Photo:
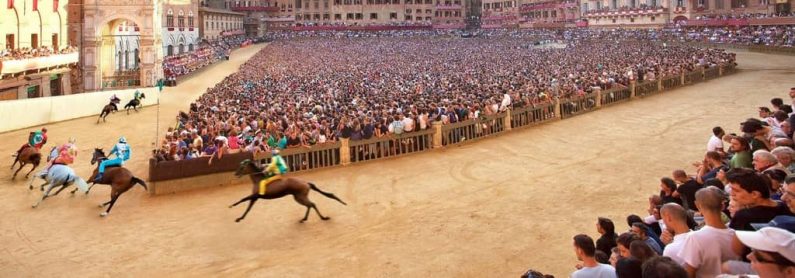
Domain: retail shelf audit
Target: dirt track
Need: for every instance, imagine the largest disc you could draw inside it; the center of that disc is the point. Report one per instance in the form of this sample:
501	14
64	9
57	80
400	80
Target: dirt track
489	209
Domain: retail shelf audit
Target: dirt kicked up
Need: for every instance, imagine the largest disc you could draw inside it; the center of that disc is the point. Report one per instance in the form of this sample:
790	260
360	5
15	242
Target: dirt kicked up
489	209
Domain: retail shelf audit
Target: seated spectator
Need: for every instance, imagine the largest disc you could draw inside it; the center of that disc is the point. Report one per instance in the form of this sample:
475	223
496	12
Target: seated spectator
715	144
704	250
742	155
763	160
788	193
607	240
707	169
668	190
785	155
641	251
663	267
777	177
677	230
585	249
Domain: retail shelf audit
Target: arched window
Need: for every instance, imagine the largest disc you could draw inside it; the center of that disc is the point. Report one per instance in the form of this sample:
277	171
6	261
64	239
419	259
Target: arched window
118	58
190	19
170	18
190	47
181	19
136	58
169	50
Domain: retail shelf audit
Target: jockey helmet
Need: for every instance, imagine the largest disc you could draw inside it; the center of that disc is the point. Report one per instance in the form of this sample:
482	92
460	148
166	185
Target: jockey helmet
123	140
44	129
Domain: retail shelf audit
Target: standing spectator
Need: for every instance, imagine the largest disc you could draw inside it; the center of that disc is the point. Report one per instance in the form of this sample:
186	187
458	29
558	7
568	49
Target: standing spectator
788	193
627	266
742	155
663	267
704	250
707	170
715	144
675	217
778	105
607	240
773	252
763	160
640	230
585	250
784	156
668	191
751	192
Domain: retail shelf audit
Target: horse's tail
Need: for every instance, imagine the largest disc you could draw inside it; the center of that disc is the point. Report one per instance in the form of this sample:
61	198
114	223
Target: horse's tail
139	181
329	195
35	158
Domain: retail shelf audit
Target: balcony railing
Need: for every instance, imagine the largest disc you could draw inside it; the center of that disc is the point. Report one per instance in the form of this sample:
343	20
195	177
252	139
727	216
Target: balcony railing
37	63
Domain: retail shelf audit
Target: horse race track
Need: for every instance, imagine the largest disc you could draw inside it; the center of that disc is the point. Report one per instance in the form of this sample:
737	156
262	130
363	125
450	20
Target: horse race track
489	209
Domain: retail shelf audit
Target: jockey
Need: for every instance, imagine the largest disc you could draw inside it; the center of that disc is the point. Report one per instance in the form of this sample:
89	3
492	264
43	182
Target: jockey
274	171
137	95
36	139
122	152
63	155
114	100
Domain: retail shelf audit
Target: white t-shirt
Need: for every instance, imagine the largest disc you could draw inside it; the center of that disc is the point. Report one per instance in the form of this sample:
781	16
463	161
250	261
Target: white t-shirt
598	271
408	124
714	143
673	248
706	249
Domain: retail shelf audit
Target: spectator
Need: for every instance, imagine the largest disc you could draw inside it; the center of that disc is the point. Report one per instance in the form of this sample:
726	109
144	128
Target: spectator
677	230
715	144
607	240
668	191
763	160
788	193
777	177
640	230
627	266
773	252
704	250
742	155
688	186
585	250
784	157
663	267
752	193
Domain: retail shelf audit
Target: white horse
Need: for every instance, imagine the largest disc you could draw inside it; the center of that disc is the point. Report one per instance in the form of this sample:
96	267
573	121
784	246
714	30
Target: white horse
58	175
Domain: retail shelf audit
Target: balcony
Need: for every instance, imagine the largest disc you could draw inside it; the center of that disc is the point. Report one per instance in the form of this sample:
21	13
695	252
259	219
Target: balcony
624	12
37	63
448	7
255	9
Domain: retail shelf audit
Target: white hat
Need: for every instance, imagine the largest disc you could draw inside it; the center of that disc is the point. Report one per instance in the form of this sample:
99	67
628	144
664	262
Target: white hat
770	239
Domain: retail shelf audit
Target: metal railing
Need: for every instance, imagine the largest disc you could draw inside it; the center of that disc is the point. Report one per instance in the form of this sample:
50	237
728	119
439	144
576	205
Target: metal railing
671	82
694	77
391	145
711	73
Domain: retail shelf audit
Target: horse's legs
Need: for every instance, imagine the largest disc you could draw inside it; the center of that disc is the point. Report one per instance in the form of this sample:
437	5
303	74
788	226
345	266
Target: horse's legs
306	215
241	200
31	170
113	197
318	213
89	188
46	194
104	204
15	162
64	186
304	200
21	164
251	200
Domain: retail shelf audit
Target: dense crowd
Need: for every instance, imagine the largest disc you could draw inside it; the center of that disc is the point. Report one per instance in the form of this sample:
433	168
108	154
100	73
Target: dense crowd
780	36
744	15
27	53
359	88
732	217
208	53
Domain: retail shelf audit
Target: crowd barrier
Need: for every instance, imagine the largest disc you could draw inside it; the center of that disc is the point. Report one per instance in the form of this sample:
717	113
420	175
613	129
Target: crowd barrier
175	176
39	111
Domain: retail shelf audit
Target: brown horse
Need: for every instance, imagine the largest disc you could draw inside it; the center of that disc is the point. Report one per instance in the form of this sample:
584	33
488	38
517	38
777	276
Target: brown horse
134	103
27	155
277	189
119	178
106	111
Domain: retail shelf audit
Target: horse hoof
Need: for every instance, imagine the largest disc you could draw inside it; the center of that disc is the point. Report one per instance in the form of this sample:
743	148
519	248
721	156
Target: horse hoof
238	220
101	206
103	214
230	206
34	206
302	221
325	218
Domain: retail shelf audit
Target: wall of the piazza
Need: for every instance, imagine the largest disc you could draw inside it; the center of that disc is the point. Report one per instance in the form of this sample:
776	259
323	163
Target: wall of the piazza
33	24
215	24
180	27
658	13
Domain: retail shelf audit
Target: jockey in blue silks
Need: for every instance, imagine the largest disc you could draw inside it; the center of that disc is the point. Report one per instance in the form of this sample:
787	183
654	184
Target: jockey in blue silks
122	152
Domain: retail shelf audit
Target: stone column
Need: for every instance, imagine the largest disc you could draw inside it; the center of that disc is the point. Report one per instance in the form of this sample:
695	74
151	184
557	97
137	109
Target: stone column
437	134
44	86
507	120
345	151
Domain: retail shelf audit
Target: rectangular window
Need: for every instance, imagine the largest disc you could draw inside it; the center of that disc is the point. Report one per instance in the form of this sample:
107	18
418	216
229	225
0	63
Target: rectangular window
170	21
181	22
719	4
34	41
373	16
359	16
349	16
408	11
392	15
10	41
190	21
326	17
337	16
408	17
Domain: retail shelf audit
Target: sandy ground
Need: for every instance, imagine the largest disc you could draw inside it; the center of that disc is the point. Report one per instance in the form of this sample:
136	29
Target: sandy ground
489	209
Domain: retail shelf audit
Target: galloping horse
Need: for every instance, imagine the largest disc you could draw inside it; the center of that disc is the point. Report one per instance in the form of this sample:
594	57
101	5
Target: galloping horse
277	189
134	103
119	178
106	111
28	155
58	175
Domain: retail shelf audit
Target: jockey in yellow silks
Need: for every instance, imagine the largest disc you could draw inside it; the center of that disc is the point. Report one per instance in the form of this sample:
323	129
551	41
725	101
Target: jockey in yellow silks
274	171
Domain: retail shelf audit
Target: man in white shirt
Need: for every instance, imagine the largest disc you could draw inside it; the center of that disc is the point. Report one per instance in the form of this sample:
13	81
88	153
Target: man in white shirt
590	268
715	144
408	124
675	218
704	250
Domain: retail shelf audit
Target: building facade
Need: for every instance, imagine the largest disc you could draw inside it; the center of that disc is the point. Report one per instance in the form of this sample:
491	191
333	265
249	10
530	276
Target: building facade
180	26
36	57
658	13
216	23
549	14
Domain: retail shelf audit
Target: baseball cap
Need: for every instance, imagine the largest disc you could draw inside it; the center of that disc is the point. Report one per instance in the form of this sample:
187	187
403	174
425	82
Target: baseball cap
782	222
771	240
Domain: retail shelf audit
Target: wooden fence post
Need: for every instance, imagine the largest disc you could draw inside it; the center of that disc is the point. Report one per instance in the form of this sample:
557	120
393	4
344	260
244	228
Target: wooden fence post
345	151
599	98
506	122
437	134
557	107
632	89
